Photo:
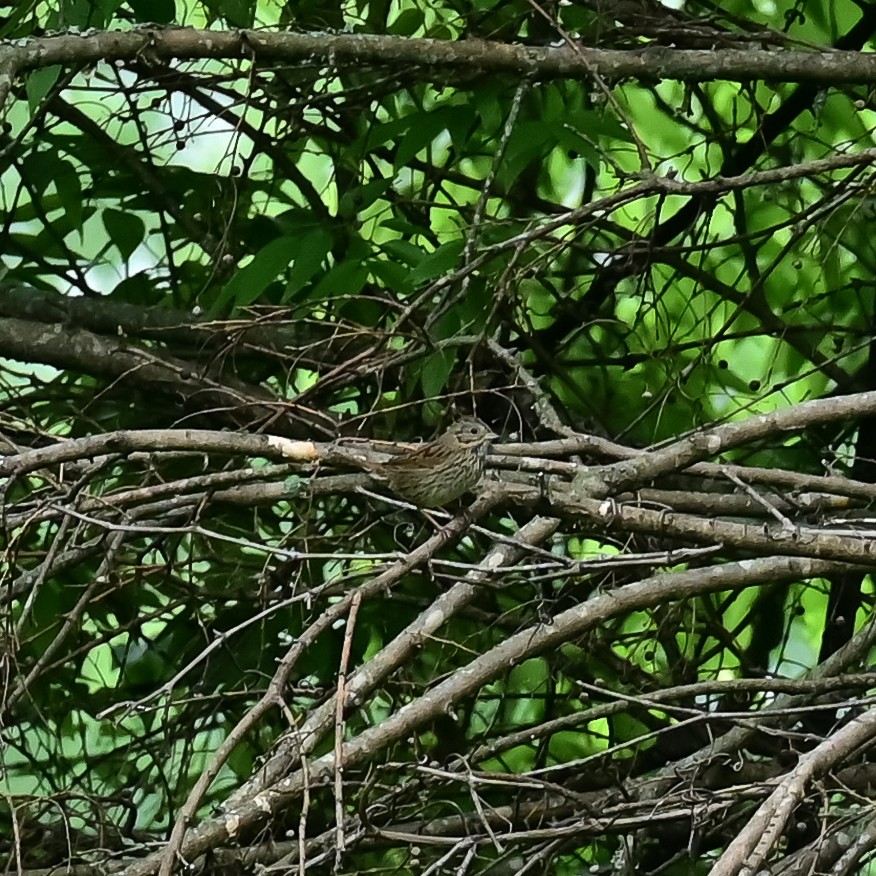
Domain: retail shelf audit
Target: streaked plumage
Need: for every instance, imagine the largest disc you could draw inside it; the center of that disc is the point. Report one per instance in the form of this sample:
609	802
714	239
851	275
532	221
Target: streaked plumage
444	469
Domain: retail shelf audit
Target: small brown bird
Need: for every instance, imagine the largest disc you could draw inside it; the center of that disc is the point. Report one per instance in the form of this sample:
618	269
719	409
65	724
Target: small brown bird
444	469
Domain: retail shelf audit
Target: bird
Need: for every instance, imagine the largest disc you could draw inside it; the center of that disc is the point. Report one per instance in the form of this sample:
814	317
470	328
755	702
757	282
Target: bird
442	470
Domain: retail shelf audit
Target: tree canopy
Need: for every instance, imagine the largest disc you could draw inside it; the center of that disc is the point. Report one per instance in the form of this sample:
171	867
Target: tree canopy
252	250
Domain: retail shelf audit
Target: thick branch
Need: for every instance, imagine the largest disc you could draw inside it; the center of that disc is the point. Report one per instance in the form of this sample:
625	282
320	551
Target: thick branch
466	56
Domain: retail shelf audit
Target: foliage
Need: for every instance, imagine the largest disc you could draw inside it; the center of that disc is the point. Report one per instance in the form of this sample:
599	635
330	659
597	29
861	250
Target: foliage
223	272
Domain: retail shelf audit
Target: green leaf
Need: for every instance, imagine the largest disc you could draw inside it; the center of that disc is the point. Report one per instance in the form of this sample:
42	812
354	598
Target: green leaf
435	370
346	278
438	262
126	230
447	325
408	22
363	311
404	251
159	11
293	485
241	761
423	128
379	134
70	192
473	310
238	13
576	145
406	227
311	252
577	18
393	276
49	166
530	142
84	150
361	197
250	281
138	289
39	83
76	13
107	8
